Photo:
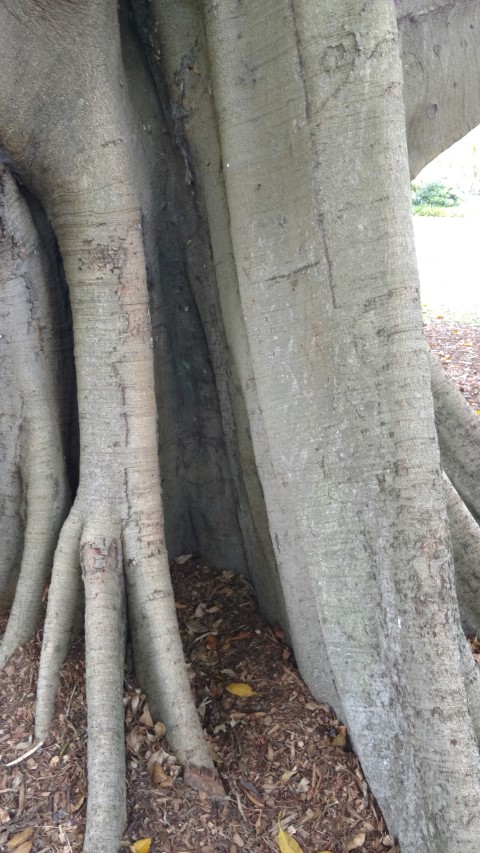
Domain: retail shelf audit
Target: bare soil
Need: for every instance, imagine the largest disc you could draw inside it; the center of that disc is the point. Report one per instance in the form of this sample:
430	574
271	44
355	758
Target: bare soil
283	758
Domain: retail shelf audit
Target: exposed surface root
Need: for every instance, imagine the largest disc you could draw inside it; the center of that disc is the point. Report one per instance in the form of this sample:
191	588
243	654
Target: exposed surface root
105	622
63	606
34	492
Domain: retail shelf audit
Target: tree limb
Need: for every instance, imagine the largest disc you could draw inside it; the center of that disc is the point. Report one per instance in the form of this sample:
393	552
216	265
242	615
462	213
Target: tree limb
440	52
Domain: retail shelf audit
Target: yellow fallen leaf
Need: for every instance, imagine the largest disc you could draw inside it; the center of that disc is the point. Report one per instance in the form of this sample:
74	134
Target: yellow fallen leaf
477	411
238	688
141	846
286	843
19	838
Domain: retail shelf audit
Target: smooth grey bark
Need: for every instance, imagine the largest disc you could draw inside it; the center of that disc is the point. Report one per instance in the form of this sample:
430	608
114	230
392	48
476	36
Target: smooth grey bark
178	36
256	175
35	492
105	624
205	255
330	301
92	199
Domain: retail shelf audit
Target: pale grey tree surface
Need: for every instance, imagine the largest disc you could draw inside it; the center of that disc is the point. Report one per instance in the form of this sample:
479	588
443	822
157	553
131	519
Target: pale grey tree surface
227	186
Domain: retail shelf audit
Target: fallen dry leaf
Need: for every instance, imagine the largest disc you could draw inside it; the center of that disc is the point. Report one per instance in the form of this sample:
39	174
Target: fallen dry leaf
146	718
74	807
180	561
286	843
358	840
160	777
243	635
19	838
24	848
135	739
285	777
141	846
160	729
238	688
341	738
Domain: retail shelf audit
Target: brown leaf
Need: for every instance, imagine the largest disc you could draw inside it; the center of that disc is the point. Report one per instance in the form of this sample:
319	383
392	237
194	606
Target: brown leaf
341	738
203	779
160	777
74	807
251	792
236	638
19	838
136	738
196	627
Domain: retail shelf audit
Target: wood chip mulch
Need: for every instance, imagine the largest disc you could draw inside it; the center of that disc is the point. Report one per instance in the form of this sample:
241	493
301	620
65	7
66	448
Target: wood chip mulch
283	758
458	349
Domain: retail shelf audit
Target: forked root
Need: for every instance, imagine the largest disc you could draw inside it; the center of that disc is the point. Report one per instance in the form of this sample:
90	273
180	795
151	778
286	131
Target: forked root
158	651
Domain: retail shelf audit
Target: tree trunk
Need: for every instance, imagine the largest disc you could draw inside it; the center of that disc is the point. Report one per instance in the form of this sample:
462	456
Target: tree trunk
234	223
356	486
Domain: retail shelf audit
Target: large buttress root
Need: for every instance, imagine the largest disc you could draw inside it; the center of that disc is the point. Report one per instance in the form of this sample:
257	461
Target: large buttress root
34	480
351	433
91	199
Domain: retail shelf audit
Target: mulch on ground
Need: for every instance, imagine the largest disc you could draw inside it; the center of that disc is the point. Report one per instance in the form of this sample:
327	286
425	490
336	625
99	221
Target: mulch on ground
458	349
283	758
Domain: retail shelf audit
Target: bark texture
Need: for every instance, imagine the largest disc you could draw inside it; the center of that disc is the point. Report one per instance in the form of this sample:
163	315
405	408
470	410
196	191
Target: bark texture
440	49
349	427
228	185
35	491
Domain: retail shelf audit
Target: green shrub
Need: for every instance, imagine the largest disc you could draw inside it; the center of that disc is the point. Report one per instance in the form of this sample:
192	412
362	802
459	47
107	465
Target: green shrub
430	210
435	194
